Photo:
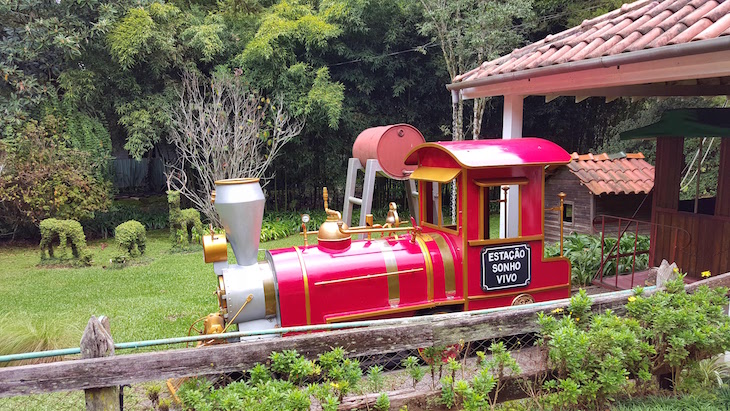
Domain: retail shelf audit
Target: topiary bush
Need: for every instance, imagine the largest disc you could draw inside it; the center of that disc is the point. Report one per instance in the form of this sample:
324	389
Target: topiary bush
64	231
132	237
184	224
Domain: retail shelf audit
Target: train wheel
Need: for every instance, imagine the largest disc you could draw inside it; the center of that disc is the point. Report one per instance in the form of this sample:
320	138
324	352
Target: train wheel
523	299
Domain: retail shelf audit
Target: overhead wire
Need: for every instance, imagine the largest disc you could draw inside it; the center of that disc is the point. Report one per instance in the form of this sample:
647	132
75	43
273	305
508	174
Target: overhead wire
434	43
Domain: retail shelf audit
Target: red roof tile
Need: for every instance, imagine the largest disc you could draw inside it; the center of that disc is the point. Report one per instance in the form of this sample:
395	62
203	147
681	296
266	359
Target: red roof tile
604	174
644	24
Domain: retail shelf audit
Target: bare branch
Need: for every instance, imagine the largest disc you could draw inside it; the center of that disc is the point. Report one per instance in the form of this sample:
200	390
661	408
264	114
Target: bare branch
223	129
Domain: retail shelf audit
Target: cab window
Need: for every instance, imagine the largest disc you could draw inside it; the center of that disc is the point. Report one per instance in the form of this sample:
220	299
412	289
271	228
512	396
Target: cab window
438	204
493	206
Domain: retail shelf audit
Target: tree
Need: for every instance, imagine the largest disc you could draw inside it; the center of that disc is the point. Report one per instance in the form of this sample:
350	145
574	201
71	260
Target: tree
470	32
224	129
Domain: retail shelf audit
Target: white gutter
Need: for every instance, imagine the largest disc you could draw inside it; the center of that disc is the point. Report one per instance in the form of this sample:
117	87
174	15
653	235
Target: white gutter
640	56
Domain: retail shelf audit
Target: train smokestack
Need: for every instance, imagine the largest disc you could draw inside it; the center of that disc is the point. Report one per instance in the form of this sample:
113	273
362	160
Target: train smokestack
240	205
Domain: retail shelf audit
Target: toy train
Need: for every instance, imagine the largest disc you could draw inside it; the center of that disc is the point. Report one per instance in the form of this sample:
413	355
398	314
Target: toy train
431	266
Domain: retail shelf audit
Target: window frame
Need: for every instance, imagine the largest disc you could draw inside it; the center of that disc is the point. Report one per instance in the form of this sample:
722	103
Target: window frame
484	186
572	213
429	198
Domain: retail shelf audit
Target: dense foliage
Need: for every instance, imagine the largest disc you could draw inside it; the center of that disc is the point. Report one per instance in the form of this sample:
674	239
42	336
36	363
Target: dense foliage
45	176
682	328
600	357
111	71
286	384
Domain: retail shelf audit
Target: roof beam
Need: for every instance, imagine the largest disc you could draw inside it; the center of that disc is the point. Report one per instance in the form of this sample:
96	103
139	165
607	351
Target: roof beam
697	66
657	90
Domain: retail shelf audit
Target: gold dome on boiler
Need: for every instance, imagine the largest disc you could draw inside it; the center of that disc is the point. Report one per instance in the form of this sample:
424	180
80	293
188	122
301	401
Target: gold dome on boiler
329	232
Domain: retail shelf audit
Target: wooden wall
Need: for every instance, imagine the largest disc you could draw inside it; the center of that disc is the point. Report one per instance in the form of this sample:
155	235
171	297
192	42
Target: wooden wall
565	181
697	242
702	241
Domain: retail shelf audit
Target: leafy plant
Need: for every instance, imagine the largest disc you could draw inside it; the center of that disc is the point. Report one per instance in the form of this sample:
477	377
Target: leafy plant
448	396
414	369
43	178
682	328
292	366
344	373
382	403
593	355
375	378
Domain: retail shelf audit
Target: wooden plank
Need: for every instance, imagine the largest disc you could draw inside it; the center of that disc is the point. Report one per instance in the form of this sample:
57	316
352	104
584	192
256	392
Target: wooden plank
135	368
722	204
217	359
725	256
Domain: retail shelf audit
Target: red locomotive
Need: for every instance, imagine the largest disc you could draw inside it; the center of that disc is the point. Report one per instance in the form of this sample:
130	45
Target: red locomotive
398	271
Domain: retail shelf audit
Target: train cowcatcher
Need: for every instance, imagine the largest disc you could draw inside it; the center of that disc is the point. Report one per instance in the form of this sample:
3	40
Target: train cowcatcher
438	264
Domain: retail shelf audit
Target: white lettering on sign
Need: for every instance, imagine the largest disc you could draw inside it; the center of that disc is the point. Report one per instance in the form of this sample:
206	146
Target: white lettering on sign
507	278
506	266
512	254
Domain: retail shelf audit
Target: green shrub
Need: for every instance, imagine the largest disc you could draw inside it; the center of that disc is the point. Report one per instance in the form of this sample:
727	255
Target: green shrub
682	328
593	355
375	377
292	366
152	212
414	369
64	231
343	373
185	225
132	237
43	178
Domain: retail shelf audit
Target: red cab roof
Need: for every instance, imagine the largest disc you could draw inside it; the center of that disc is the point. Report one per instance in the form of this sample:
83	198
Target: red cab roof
495	152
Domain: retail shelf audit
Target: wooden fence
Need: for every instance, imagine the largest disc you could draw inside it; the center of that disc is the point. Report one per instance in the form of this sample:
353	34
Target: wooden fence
114	370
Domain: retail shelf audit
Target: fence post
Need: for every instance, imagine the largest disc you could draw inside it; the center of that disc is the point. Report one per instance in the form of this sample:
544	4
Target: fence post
97	342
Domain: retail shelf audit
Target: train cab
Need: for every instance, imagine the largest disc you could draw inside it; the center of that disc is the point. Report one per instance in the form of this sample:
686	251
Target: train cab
494	267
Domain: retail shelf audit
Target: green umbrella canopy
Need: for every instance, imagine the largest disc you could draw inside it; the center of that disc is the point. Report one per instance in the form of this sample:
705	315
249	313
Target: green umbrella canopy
694	122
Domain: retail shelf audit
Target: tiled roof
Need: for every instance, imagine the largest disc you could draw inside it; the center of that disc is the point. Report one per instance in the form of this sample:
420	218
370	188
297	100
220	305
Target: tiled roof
613	174
644	24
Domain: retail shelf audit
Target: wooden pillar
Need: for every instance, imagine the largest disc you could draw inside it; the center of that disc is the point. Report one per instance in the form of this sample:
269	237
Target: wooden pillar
511	128
722	200
97	342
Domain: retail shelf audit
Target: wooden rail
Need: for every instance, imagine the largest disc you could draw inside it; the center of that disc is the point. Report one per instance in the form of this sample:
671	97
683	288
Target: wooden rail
102	372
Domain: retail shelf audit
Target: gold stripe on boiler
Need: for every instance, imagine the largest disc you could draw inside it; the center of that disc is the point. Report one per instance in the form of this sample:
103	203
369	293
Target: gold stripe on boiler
391	267
449	270
307	308
429	266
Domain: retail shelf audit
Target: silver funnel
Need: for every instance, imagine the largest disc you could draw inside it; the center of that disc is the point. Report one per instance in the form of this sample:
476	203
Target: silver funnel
240	205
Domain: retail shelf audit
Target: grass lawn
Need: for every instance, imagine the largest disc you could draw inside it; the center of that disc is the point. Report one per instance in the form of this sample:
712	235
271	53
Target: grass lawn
156	298
159	297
